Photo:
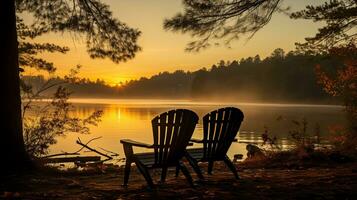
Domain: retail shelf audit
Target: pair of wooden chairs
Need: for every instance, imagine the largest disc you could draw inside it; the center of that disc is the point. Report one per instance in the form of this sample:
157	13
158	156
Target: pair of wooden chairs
172	132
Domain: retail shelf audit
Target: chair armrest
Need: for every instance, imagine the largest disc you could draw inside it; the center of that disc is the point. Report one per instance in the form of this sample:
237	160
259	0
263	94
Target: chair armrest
135	143
196	140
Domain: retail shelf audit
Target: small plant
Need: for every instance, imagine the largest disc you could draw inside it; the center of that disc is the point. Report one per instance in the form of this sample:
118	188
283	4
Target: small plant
44	123
266	149
304	143
270	140
299	134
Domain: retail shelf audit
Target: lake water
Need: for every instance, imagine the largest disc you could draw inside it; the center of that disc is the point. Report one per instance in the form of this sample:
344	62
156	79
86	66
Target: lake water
132	119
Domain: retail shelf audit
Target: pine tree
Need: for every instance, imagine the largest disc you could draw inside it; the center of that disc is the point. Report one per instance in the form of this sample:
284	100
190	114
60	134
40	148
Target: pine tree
106	37
212	22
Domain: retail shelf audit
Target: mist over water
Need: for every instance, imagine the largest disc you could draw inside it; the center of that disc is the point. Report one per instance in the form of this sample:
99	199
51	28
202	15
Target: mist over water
131	118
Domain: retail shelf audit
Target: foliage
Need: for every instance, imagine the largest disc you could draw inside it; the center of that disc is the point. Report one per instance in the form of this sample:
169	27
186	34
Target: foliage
339	136
252	78
28	51
106	37
53	120
214	20
342	83
248	79
82	87
268	139
44	121
340	17
304	142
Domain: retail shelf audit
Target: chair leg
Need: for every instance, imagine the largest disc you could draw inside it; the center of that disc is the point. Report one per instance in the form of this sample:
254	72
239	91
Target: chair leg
210	167
163	174
177	170
231	166
186	173
145	172
127	172
194	164
128	150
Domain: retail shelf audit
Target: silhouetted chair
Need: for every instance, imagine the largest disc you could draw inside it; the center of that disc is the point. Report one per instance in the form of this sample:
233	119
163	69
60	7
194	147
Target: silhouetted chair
220	128
172	132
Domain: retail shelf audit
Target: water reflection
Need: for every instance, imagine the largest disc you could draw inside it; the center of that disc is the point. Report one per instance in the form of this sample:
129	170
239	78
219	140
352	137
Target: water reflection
133	120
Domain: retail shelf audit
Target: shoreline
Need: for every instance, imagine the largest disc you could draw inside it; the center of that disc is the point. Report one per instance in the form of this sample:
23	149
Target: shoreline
318	182
187	102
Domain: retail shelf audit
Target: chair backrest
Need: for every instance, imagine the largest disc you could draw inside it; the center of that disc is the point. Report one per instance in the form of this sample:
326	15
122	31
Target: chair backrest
220	128
172	132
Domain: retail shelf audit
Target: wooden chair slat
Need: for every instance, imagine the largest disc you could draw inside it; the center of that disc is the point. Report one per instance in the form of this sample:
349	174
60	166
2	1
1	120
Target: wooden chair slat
211	132
225	131
170	123
155	132
205	134
171	134
176	129
220	128
217	132
161	137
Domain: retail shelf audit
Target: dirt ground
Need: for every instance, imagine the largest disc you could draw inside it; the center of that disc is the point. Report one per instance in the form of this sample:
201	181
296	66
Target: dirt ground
328	182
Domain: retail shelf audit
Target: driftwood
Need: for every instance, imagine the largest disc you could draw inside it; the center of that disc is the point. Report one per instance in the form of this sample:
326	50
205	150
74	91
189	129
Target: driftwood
61	154
71	153
111	152
81	159
93	150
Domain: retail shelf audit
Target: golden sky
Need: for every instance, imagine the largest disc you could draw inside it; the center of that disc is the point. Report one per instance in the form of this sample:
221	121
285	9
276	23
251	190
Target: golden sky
164	51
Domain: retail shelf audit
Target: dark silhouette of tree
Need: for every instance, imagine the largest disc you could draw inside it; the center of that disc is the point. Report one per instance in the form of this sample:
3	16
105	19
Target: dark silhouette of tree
341	82
106	37
12	144
28	50
279	77
212	20
224	19
276	78
340	17
278	54
82	87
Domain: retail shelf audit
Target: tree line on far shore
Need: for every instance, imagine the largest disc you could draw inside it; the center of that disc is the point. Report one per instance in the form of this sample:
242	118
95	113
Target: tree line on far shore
277	78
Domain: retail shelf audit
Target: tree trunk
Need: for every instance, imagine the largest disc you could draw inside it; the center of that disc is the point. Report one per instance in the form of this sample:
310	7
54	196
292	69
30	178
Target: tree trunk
11	138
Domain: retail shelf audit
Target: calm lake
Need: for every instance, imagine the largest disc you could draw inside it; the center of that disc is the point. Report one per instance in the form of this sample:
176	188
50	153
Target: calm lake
132	119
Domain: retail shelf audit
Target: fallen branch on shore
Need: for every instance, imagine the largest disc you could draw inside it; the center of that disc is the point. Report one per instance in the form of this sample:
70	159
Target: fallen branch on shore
80	160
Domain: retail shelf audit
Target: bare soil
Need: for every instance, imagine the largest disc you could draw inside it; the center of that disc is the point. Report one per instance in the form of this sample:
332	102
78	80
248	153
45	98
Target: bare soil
337	181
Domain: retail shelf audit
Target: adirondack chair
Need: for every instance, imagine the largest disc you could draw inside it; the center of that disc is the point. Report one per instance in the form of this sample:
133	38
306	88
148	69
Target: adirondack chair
172	132
220	128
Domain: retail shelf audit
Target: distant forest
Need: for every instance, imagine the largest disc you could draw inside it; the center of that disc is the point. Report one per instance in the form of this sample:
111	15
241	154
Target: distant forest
81	88
280	77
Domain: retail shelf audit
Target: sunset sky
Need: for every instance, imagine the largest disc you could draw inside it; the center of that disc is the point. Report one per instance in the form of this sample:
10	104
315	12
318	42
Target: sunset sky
164	50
